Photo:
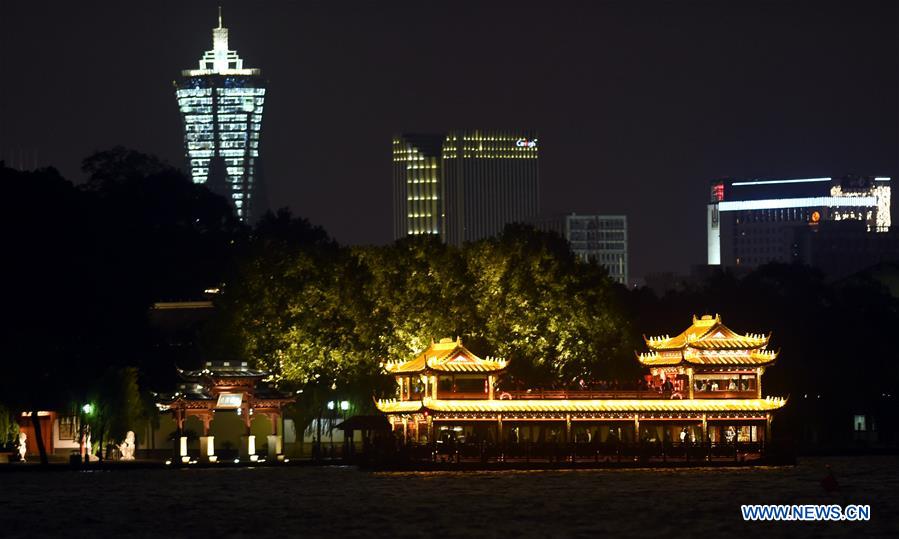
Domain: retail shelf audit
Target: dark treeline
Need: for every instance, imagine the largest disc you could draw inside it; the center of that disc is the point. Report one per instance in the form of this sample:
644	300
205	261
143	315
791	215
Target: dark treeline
82	266
87	262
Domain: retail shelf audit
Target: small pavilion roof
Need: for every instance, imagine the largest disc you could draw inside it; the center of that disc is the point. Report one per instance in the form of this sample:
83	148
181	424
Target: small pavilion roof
448	355
223	369
708	333
708	342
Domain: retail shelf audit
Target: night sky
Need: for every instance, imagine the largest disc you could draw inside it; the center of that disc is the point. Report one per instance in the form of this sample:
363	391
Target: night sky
638	104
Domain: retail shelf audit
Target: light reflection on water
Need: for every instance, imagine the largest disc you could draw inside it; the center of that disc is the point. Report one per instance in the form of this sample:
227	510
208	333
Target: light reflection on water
342	501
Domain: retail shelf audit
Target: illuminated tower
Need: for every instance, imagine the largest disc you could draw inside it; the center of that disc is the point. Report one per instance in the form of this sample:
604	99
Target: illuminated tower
221	104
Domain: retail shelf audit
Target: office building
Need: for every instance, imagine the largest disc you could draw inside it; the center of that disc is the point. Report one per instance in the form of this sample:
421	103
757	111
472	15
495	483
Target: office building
601	238
221	104
464	185
752	222
417	196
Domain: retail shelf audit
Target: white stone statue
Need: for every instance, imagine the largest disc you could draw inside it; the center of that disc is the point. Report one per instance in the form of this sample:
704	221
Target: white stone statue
89	449
22	447
127	446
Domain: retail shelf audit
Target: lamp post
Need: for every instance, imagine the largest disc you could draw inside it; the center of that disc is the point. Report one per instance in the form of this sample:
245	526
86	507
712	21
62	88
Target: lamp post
86	410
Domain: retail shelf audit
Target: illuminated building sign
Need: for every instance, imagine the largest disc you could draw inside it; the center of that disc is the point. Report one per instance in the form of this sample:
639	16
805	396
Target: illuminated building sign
718	192
779	203
526	143
229	400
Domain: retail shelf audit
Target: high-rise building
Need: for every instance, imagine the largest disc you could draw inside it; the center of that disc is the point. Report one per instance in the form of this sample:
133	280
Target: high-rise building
601	238
752	222
490	178
417	196
464	185
221	103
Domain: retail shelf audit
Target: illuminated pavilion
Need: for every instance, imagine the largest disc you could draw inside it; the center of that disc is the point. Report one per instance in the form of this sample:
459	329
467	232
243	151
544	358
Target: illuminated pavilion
703	387
232	394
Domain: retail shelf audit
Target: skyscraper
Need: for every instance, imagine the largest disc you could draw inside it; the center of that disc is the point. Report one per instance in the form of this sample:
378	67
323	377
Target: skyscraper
490	179
221	104
464	185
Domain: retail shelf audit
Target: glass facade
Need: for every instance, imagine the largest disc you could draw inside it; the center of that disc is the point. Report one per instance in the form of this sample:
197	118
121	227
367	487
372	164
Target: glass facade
221	104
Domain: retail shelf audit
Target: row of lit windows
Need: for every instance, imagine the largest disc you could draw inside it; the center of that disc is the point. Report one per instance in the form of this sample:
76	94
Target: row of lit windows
423	198
492	147
239	112
199	127
203	109
199	161
193	92
191	145
490	156
198	118
481	138
240	91
201	174
205	132
231	118
195	101
199	134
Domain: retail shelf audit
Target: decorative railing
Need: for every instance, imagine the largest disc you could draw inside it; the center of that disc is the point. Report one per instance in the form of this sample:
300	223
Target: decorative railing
462	395
576	394
747	394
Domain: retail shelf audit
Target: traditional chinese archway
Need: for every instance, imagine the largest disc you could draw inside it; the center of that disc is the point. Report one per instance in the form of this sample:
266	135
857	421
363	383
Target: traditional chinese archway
226	387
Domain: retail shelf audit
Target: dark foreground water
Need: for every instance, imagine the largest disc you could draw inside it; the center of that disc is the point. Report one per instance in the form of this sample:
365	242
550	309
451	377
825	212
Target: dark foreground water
344	502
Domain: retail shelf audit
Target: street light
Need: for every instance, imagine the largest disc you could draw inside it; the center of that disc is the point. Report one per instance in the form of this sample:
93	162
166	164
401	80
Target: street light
88	408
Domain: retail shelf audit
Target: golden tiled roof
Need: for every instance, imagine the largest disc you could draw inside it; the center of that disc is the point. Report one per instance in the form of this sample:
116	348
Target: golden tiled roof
703	357
448	355
708	342
578	406
397	407
707	333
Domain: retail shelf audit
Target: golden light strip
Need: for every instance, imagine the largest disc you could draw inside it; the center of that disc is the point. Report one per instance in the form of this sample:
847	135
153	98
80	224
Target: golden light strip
585	406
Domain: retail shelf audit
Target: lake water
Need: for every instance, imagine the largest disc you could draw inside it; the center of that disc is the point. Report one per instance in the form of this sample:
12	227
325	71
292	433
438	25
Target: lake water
345	502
